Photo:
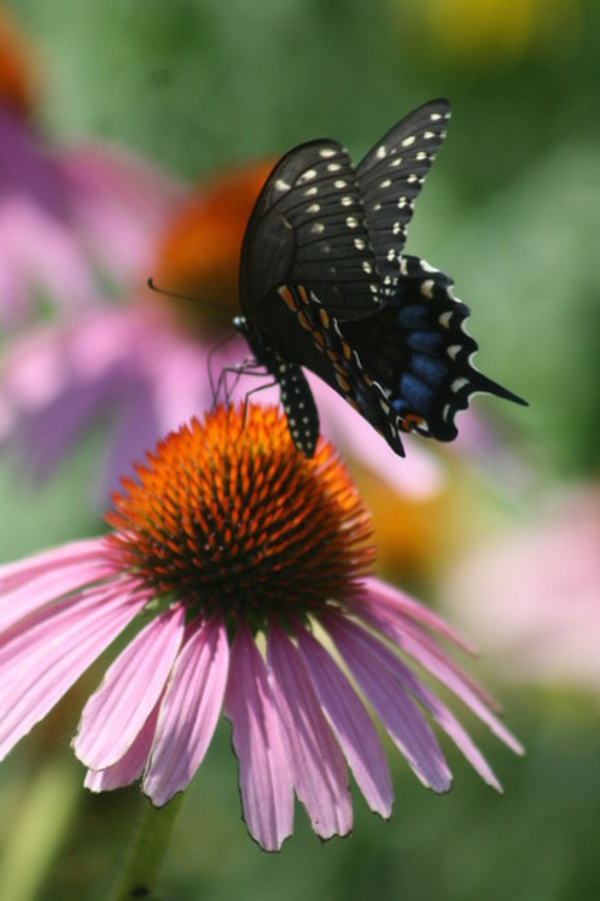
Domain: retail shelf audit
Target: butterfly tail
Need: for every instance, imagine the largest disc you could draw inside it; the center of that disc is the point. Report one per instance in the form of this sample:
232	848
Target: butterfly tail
482	384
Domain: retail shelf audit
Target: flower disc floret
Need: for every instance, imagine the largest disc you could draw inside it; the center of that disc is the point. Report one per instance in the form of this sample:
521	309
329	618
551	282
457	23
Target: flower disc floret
228	516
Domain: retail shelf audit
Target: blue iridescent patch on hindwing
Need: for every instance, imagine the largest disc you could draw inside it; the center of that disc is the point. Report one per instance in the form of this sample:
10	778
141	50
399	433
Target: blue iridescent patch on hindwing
408	366
417	348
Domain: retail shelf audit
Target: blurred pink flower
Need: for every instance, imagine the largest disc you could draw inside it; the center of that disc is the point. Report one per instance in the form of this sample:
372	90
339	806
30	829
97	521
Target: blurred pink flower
227	535
143	365
67	217
136	368
126	364
533	599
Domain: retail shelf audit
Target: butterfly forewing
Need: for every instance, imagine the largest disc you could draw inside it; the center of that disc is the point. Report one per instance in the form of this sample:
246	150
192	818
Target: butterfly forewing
308	227
391	176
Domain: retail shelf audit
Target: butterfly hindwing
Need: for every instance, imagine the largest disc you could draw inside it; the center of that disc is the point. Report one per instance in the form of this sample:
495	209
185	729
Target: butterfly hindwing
416	347
408	368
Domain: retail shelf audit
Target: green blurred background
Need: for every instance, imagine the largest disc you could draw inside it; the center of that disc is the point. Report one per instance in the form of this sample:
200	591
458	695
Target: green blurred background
512	211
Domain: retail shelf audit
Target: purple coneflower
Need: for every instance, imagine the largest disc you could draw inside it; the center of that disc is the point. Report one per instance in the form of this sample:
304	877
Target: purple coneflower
65	214
245	566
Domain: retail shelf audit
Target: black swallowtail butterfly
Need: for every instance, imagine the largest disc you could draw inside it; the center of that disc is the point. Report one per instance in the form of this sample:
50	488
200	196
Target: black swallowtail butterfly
324	284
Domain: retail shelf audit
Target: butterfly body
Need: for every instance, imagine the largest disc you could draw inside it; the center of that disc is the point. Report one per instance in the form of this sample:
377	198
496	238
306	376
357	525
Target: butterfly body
324	285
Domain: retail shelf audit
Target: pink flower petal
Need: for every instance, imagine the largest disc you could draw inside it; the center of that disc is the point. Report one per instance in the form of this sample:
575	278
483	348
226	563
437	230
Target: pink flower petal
39	664
131	766
351	723
440	713
431	657
115	713
52	583
380	595
265	778
399	622
12	574
448	722
189	711
320	772
401	717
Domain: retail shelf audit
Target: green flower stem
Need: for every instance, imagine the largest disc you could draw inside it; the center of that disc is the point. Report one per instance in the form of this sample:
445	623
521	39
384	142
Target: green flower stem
138	876
41	821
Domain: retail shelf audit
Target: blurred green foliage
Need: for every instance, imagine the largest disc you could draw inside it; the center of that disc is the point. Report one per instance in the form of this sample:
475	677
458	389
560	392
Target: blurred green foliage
510	207
512	211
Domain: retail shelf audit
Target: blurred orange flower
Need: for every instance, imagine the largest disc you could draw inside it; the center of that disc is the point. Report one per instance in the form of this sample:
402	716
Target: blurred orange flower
17	68
199	252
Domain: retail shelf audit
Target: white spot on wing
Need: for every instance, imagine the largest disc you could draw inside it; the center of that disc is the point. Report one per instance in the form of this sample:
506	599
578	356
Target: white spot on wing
307	176
457	384
427	288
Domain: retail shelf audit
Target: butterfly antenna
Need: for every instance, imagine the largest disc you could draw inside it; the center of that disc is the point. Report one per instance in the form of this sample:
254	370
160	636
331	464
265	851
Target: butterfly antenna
196	298
221	384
